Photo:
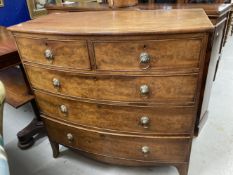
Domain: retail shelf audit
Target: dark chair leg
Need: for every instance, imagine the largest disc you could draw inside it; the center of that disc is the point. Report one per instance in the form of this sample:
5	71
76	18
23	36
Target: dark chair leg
26	135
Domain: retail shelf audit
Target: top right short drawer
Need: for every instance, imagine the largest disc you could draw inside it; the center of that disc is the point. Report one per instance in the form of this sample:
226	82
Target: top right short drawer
148	54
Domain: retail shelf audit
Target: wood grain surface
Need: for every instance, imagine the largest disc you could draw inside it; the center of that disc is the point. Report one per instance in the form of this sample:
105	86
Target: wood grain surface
162	89
124	55
163	120
119	22
90	95
67	54
7	42
161	149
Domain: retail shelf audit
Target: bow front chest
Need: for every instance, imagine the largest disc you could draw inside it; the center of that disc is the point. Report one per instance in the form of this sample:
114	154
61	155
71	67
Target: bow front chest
121	87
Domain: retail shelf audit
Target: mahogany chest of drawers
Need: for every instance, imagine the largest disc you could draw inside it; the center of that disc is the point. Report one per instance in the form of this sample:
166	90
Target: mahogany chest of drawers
122	87
219	15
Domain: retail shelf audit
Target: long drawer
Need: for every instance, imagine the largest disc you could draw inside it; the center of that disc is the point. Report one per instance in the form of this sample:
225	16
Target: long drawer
66	54
155	120
175	89
148	54
162	149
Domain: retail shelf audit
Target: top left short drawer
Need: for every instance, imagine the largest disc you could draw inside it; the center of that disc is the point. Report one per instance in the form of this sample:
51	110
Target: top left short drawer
65	53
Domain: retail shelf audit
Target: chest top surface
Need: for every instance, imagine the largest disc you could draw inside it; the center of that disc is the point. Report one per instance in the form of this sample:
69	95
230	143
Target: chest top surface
119	23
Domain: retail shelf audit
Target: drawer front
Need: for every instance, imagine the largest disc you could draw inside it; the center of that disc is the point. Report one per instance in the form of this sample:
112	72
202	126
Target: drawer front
67	54
163	120
141	55
120	146
180	88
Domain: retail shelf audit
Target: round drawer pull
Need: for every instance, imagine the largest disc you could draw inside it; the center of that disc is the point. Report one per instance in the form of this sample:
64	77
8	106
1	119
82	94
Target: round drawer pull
48	54
144	58
145	149
56	83
145	121
64	109
70	137
144	89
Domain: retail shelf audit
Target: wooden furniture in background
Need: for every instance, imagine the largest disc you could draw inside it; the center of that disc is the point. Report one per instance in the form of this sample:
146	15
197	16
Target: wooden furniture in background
217	13
17	89
122	3
122	88
185	1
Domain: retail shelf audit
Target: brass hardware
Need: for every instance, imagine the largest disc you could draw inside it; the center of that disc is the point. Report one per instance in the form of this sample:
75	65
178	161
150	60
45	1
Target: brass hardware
70	137
145	121
64	109
144	60
48	54
144	89
146	67
56	83
145	149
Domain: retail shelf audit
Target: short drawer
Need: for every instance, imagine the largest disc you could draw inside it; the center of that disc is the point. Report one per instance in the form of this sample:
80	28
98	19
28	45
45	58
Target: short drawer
148	55
67	54
120	146
174	89
155	120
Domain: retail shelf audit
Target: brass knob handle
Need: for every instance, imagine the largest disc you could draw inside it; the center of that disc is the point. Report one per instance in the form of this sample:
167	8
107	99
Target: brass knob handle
144	58
48	54
144	89
56	83
145	121
64	109
145	149
70	137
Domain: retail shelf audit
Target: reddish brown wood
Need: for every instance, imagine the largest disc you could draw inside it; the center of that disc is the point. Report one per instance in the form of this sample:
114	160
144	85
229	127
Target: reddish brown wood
75	51
180	89
16	92
55	148
161	149
8	52
218	13
90	109
17	88
125	55
213	10
182	168
12	77
163	120
157	23
122	3
7	43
